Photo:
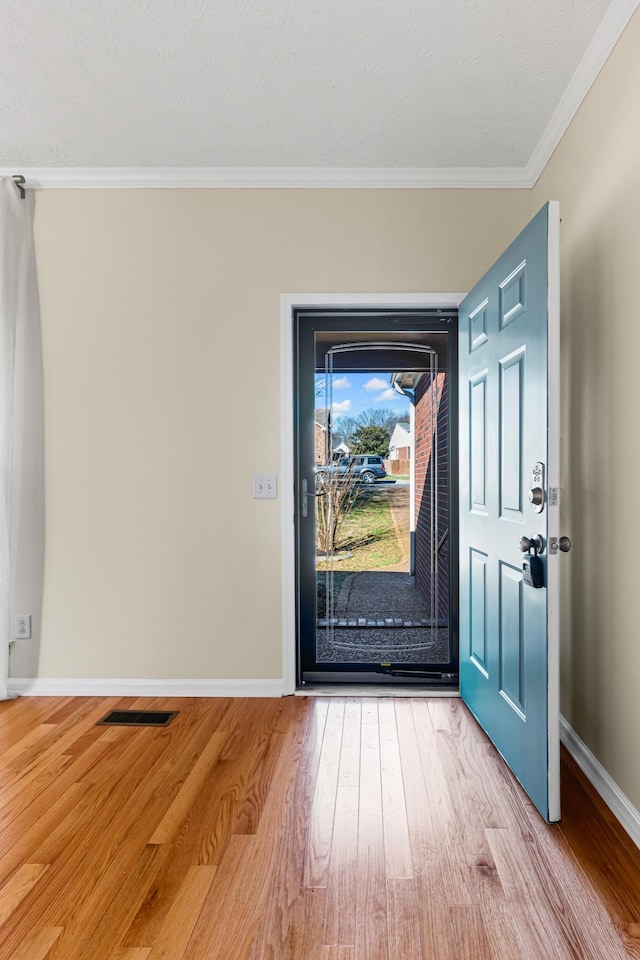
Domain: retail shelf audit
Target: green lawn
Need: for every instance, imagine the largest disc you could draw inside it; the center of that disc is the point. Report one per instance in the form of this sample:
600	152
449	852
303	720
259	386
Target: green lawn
368	533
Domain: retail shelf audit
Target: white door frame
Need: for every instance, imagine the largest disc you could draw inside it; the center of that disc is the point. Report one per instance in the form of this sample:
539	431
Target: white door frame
288	303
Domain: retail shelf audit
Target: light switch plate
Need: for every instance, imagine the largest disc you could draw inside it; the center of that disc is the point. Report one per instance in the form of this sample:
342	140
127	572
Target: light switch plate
265	486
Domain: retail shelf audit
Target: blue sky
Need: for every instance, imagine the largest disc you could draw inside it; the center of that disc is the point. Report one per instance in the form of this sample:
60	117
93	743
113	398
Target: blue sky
355	392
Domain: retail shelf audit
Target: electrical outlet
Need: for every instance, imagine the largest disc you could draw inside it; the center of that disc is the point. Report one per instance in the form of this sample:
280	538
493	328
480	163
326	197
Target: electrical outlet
23	626
265	486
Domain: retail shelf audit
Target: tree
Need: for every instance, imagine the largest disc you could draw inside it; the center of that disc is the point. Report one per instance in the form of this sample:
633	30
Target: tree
370	440
378	417
344	429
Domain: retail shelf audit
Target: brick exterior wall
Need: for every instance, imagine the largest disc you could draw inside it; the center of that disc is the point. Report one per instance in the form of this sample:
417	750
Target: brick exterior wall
426	391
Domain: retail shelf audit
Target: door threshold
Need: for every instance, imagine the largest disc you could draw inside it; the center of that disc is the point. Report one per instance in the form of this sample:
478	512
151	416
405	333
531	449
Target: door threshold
374	690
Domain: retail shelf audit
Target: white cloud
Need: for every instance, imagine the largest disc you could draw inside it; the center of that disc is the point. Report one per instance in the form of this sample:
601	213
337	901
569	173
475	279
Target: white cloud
342	406
376	383
389	394
342	383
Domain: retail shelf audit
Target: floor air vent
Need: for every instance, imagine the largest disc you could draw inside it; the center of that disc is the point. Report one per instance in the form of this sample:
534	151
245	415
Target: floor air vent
138	718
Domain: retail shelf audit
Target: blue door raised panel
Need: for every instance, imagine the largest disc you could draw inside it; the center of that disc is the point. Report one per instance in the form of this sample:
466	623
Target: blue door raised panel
508	639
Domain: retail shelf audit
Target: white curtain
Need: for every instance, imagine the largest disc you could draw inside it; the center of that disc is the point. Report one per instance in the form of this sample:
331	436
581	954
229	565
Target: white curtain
19	327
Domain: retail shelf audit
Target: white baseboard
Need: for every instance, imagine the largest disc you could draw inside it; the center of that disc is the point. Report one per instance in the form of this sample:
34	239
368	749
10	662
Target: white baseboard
59	687
618	803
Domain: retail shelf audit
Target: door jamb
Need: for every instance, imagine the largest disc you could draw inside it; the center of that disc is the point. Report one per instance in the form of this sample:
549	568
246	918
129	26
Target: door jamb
288	303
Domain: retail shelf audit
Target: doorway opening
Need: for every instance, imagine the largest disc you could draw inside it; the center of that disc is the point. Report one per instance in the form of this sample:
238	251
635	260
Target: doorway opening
375	445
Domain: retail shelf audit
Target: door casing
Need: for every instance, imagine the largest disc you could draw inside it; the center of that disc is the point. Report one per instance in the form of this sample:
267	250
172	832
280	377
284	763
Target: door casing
288	303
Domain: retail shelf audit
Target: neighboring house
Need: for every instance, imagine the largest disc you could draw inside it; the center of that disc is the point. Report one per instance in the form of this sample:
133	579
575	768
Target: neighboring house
401	442
321	440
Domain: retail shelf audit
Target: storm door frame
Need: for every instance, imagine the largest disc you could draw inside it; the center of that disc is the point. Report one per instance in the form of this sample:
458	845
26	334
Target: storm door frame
290	305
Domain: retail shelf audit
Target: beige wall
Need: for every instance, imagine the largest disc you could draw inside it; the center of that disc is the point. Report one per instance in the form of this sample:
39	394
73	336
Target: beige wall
595	174
161	327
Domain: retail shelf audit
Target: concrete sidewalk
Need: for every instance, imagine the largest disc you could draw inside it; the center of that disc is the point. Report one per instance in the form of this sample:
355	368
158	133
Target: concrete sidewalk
399	498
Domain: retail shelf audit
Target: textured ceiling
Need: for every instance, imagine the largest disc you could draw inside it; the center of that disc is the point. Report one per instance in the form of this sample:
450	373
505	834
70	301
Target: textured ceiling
245	83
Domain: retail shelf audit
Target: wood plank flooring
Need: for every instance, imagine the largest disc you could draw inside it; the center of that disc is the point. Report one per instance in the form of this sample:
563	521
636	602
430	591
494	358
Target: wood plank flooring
295	829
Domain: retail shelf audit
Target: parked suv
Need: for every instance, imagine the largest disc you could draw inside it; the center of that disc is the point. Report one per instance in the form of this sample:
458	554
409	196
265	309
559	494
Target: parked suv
366	469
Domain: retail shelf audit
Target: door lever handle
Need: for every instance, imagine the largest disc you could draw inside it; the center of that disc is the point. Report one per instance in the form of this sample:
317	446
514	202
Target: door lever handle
305	492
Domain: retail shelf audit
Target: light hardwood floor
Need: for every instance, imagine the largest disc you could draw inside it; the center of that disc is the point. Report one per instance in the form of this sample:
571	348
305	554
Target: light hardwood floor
314	829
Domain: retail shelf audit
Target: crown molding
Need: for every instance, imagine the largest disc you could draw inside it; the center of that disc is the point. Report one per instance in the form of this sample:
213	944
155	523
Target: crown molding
607	35
353	178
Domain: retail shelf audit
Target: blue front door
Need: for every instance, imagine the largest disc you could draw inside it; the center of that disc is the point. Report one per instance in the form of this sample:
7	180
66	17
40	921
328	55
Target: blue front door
508	348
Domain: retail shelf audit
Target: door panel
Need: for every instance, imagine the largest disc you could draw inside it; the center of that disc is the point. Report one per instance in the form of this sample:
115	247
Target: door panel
512	377
508	671
478	415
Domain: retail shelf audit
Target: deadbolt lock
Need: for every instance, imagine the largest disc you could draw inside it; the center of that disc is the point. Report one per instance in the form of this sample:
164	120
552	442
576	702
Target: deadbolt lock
536	494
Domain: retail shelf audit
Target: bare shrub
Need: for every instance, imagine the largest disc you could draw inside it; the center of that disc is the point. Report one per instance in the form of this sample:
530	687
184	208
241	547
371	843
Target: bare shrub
336	495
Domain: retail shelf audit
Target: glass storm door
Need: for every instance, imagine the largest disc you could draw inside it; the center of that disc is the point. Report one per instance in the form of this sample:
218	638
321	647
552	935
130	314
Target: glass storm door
374	538
509	493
